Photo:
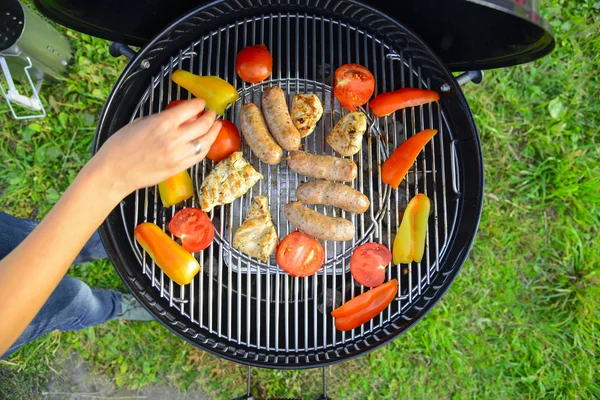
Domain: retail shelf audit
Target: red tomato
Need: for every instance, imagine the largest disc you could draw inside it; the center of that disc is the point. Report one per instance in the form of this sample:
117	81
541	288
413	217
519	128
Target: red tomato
227	141
254	63
387	103
368	264
194	228
354	85
175	103
300	255
364	307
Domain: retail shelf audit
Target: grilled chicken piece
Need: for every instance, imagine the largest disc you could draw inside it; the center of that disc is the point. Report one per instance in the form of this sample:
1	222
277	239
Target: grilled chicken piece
346	135
257	236
307	110
230	179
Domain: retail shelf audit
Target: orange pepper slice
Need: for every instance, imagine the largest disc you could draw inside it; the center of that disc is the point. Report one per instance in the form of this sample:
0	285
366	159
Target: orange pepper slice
178	264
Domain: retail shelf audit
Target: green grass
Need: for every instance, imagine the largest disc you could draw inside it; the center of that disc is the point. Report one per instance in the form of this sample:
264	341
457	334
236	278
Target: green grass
521	321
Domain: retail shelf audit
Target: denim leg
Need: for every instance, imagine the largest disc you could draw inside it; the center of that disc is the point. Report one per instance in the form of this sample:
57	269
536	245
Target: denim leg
13	230
72	306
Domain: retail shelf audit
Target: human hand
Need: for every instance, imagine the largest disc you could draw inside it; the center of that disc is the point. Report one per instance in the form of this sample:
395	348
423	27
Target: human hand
152	149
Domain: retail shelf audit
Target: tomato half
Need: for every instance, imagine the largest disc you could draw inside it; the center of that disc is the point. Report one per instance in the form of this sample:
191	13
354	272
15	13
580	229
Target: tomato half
354	85
368	264
194	228
387	103
175	103
254	63
228	141
300	255
364	307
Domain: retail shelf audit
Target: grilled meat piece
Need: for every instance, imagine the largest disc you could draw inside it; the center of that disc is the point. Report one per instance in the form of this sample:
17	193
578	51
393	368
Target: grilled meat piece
256	236
322	166
346	136
333	194
230	179
275	111
307	110
257	135
313	223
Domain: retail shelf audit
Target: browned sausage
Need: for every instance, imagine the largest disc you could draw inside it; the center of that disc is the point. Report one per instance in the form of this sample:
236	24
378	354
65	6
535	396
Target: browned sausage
278	119
315	224
322	166
333	194
257	136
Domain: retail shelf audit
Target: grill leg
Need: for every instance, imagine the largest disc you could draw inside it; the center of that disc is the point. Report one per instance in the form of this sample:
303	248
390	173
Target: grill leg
324	396
248	395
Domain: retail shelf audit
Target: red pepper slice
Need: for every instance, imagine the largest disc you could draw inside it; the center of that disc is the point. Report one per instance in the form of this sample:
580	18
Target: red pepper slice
395	168
365	307
387	103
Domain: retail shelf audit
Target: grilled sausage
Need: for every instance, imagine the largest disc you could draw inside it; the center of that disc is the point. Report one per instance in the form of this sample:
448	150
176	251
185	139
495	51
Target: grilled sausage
278	119
333	194
257	136
322	166
315	224
346	136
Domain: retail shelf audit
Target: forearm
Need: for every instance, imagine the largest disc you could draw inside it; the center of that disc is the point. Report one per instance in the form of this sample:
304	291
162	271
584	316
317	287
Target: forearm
30	273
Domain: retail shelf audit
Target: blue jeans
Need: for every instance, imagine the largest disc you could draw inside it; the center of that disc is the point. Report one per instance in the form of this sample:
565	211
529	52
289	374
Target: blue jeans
72	305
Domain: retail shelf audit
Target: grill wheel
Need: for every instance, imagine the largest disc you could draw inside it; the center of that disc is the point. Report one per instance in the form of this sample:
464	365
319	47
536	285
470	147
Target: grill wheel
249	311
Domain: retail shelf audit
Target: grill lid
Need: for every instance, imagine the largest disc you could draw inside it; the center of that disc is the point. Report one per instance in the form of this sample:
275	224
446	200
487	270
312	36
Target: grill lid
466	34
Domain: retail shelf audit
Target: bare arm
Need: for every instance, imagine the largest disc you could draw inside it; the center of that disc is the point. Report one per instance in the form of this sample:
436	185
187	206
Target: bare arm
141	154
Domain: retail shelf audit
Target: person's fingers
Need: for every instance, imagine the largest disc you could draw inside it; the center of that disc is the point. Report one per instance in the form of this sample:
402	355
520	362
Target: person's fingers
197	128
183	112
205	142
138	120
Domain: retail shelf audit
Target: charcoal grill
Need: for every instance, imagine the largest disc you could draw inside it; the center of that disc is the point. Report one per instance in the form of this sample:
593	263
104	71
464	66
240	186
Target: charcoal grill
249	311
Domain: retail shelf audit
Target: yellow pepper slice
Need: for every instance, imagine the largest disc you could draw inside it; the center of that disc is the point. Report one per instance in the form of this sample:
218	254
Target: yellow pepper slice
217	93
409	244
176	189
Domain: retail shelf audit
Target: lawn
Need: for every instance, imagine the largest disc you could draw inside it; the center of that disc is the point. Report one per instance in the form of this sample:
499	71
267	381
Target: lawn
521	321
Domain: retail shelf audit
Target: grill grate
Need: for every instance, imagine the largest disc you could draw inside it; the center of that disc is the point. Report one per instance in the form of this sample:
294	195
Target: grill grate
254	304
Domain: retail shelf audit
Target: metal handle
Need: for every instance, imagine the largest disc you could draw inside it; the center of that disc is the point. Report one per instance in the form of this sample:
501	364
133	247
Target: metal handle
118	49
469	76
